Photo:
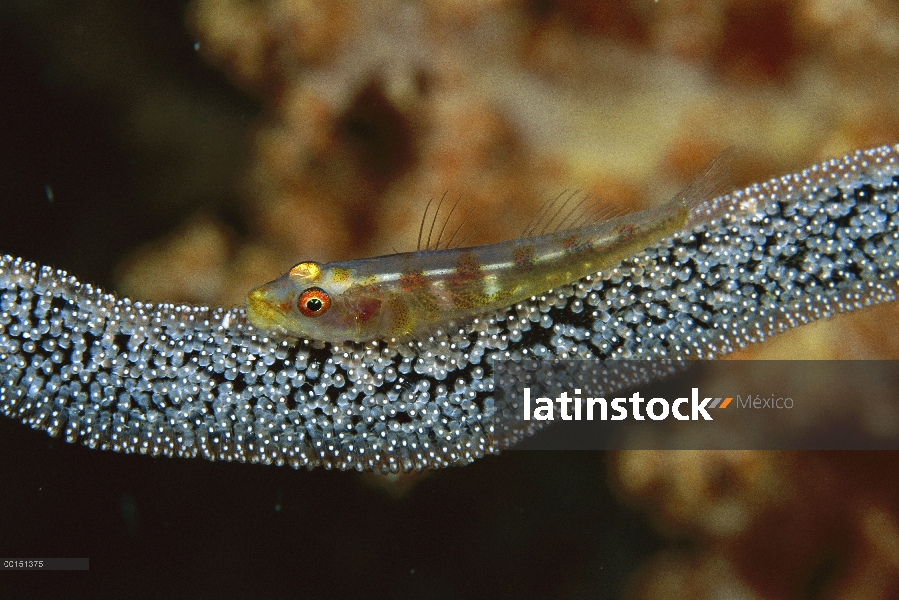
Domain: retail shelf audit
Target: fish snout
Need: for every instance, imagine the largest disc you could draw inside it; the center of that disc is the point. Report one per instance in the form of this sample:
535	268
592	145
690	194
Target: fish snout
267	305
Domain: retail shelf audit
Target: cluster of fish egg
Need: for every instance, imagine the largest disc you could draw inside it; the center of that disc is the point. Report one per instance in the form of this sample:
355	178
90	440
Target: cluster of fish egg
187	381
759	261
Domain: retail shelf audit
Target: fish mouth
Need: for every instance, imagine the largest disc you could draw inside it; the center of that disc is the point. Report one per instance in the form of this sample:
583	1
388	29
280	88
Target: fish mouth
263	311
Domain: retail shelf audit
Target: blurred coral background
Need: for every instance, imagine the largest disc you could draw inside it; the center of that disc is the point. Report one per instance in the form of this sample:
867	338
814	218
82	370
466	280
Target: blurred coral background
185	152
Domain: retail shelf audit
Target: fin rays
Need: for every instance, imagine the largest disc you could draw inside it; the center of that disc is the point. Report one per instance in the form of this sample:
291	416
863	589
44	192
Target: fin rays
567	210
552	218
709	182
434	243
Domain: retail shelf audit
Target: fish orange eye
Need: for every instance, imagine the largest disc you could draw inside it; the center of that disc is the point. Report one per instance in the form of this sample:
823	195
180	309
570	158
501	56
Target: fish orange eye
314	302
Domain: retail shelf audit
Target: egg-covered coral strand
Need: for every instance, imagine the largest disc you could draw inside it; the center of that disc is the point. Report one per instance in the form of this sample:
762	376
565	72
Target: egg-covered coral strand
186	381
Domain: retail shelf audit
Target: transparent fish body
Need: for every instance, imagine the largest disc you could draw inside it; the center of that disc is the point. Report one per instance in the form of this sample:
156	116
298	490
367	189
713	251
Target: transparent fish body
413	294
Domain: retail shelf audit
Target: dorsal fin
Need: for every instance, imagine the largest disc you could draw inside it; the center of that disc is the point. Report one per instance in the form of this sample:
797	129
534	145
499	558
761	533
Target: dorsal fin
571	208
711	180
434	243
567	210
553	217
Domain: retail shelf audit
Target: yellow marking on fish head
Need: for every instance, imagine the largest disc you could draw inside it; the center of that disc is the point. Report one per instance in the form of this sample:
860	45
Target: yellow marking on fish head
306	271
340	274
269	305
260	309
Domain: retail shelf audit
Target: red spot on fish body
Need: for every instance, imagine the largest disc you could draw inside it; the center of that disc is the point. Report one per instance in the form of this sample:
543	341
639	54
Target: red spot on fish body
366	308
626	230
462	282
468	268
411	281
574	244
523	256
